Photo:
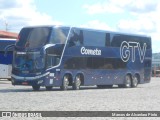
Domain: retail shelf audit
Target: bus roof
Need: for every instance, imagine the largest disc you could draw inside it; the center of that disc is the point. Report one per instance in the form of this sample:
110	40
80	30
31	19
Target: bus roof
91	29
113	32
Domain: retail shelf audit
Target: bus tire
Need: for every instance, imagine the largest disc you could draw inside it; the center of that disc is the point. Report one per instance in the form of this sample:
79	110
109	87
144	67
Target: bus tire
36	88
65	82
48	88
128	81
134	81
77	83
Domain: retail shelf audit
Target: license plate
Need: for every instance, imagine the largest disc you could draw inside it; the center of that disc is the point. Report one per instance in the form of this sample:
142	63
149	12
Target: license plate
24	83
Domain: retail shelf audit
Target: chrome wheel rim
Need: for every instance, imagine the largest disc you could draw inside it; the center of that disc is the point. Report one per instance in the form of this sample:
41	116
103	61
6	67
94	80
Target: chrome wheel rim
128	81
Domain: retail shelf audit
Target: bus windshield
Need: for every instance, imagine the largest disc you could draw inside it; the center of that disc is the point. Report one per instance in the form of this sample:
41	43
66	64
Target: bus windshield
33	37
28	61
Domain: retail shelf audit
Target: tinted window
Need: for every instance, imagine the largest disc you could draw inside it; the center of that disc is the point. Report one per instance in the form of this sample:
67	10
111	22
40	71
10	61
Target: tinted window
89	63
52	60
118	63
94	63
33	37
117	40
54	54
109	63
89	38
94	38
59	35
114	63
76	38
98	63
75	63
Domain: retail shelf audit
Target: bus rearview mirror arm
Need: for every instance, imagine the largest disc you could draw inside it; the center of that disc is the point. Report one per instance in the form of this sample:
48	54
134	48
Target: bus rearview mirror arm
7	48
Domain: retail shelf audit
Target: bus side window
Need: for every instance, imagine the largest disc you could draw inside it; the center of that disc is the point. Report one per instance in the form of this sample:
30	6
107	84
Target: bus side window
76	39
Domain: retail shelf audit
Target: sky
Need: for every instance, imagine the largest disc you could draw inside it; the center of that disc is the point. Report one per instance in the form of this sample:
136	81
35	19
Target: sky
127	16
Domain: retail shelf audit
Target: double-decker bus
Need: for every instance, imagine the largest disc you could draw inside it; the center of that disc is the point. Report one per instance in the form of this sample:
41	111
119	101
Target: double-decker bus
6	61
69	56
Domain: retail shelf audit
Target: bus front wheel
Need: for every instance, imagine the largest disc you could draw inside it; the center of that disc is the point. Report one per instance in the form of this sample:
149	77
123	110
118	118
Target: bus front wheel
77	83
36	88
65	82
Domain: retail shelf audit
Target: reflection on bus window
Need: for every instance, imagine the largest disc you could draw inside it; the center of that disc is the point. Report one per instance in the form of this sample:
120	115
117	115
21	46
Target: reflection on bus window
76	38
33	37
59	36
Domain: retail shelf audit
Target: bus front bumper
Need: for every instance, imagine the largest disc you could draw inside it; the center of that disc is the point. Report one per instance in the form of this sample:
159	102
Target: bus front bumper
33	81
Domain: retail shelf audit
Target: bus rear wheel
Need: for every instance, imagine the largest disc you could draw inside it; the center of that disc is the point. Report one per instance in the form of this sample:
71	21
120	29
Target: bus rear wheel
65	82
36	88
77	83
135	81
128	81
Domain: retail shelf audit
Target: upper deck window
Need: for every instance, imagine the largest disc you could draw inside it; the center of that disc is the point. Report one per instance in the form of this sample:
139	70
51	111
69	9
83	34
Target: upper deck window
59	35
94	38
80	37
33	37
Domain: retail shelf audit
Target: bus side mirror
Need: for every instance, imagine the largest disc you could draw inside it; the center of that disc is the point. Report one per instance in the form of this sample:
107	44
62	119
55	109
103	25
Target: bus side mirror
7	48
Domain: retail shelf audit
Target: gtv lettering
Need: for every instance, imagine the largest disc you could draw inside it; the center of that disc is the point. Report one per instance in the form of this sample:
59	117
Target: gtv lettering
127	51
